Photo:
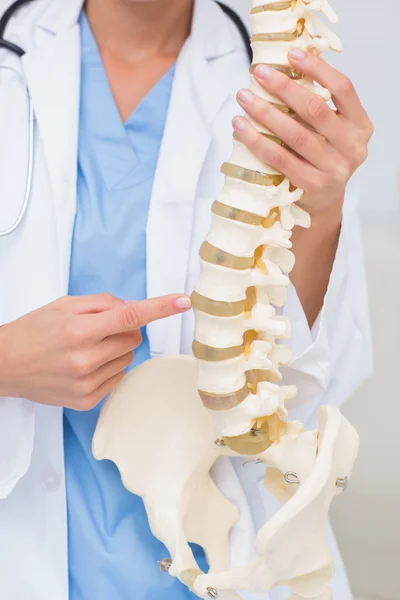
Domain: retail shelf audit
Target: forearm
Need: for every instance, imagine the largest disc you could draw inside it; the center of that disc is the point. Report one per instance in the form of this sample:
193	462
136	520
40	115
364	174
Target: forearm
4	375
315	251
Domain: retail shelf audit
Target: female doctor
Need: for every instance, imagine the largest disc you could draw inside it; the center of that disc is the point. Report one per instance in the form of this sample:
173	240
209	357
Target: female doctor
133	104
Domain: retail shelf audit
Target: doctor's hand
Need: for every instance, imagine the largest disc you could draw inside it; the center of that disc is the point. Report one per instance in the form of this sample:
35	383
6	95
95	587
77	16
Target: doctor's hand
322	147
74	351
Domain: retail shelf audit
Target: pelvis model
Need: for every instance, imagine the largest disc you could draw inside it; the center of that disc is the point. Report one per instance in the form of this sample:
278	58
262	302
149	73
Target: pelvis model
229	400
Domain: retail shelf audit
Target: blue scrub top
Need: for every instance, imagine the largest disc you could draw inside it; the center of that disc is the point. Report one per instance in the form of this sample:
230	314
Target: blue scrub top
112	553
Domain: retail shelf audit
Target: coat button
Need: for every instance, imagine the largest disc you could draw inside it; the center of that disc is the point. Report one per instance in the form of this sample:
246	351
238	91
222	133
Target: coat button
50	482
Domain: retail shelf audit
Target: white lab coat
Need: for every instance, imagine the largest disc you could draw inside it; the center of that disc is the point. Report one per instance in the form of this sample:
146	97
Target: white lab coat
34	264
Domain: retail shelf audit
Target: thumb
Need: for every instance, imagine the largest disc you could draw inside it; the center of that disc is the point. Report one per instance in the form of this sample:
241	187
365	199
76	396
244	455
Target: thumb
134	315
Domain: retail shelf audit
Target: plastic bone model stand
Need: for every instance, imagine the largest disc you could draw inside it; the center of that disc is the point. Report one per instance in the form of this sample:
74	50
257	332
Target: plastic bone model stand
165	441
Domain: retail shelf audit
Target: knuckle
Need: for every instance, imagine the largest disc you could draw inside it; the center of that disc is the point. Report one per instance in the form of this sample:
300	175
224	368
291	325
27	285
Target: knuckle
135	339
73	334
130	318
370	129
84	388
128	358
317	109
117	380
253	141
362	155
340	176
107	298
88	402
80	364
296	137
264	113
313	61
282	84
71	364
316	184
277	159
92	399
257	145
345	86
359	155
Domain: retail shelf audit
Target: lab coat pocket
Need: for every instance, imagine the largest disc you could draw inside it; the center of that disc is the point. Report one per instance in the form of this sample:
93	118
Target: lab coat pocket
17	426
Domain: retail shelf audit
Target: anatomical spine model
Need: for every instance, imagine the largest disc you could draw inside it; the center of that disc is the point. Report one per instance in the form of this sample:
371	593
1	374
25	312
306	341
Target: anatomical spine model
245	262
246	258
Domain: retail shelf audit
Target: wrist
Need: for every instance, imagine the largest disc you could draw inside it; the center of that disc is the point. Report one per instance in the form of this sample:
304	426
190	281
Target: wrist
329	219
325	209
324	230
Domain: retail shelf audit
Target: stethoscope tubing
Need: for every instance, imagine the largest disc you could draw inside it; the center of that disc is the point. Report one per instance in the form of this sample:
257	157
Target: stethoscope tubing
20	52
31	130
29	176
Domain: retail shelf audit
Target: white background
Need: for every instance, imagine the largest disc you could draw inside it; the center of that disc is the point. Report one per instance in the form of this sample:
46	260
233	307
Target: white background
367	517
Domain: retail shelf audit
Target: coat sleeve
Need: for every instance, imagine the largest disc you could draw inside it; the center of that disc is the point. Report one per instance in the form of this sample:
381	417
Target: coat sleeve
17	425
334	358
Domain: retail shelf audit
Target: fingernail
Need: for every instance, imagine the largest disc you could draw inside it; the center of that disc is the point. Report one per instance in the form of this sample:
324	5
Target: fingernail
183	302
246	96
297	54
263	72
239	123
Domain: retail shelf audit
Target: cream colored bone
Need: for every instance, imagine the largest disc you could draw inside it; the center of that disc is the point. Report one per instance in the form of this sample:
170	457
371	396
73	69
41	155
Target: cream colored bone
157	432
253	218
257	199
292	547
229	285
162	440
268	400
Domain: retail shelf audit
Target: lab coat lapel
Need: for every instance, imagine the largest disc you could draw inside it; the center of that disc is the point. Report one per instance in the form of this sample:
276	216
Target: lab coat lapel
52	73
197	96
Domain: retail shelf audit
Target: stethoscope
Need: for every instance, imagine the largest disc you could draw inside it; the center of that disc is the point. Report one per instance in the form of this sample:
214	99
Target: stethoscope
19	52
9	13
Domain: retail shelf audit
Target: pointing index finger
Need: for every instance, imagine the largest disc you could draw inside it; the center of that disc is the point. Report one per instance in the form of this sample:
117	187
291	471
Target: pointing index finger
134	315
